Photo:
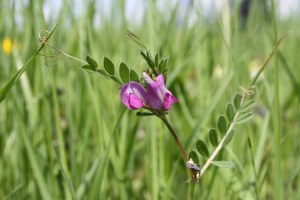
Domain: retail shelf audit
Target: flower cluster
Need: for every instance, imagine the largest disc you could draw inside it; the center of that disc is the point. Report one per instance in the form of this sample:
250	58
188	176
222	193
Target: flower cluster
156	96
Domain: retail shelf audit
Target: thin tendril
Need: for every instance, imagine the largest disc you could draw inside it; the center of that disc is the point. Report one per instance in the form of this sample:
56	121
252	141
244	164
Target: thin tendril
43	38
48	62
43	35
67	55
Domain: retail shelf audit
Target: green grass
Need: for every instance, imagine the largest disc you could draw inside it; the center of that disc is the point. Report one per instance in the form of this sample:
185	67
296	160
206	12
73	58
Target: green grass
64	133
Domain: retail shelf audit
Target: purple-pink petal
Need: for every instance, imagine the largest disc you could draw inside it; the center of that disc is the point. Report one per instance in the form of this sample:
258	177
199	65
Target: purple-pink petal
139	91
155	101
169	100
161	84
134	102
147	78
125	91
157	96
133	95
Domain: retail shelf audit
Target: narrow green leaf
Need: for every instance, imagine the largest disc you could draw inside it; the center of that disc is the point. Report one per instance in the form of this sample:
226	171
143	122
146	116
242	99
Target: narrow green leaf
103	72
228	138
165	63
230	112
237	100
36	169
109	66
133	76
156	59
244	118
91	62
88	68
87	179
202	148
193	155
114	78
150	61
213	137
124	72
165	70
162	65
223	164
150	58
222	124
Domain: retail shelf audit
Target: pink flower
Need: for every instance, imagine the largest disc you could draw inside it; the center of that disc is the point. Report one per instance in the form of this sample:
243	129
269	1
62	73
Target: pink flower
156	96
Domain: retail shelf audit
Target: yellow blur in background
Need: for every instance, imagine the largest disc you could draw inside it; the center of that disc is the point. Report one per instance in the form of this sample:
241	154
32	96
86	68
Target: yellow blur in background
7	45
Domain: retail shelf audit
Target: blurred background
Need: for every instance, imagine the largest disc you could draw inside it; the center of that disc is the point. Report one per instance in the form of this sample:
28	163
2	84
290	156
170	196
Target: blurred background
64	133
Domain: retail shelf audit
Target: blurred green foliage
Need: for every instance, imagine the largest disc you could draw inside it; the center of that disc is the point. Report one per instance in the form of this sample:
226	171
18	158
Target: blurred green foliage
64	133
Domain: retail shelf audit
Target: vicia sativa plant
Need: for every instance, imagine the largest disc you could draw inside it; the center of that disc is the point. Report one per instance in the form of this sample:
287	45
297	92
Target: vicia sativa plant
149	94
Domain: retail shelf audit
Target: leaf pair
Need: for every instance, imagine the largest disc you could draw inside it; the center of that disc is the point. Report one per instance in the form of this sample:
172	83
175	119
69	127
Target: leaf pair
202	149
108	72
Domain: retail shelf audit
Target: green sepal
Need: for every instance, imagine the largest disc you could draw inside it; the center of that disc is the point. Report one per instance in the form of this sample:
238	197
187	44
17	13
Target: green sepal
144	114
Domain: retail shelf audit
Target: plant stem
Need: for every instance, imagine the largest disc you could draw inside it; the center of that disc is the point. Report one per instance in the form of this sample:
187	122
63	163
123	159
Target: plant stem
192	191
182	151
276	119
266	61
177	140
